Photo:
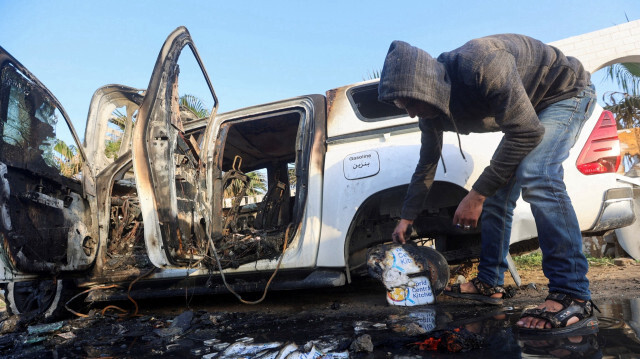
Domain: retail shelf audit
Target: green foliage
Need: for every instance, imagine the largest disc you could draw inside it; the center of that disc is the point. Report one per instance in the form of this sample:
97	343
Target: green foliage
291	172
68	160
63	149
119	119
598	262
625	107
626	75
257	185
112	148
194	105
624	104
529	261
534	261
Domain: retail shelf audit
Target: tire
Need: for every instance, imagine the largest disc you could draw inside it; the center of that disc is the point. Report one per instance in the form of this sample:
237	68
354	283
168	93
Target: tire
43	298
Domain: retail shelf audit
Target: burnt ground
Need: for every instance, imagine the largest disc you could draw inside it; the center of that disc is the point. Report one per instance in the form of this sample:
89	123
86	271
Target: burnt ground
354	319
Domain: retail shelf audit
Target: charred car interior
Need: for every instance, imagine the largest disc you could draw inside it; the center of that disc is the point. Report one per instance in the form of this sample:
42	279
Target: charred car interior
253	149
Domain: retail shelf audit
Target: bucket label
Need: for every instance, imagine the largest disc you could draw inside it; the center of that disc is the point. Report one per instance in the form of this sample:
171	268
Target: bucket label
399	259
418	292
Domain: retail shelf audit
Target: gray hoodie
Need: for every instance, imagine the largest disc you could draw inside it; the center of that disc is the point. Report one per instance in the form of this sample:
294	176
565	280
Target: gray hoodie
495	83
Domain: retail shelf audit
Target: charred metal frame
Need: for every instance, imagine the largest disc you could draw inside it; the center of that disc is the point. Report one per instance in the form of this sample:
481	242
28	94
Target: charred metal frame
26	186
154	175
308	108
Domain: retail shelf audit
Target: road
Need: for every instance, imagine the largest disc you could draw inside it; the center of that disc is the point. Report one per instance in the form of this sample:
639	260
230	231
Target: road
354	320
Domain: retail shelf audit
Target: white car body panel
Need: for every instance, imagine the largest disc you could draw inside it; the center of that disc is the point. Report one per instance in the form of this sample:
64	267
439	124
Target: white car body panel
398	150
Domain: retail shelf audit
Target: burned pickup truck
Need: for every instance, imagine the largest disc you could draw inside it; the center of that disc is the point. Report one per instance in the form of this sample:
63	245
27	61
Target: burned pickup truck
166	194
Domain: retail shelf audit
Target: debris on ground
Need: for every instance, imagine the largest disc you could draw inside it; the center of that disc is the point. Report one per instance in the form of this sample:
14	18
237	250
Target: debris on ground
415	323
246	348
460	279
453	341
623	262
532	286
10	325
362	344
243	349
44	328
307	325
178	326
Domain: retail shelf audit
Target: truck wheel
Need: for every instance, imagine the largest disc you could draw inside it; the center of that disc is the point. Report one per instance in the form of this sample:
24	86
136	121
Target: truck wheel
43	298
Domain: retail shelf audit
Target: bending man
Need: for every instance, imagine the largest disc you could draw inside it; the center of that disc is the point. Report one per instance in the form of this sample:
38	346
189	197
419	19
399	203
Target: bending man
539	98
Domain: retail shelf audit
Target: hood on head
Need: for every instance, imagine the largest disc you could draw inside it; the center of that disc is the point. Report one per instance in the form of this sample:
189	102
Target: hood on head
412	73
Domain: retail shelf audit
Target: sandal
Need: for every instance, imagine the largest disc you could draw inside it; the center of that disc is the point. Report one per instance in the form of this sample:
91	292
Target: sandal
484	292
584	311
562	347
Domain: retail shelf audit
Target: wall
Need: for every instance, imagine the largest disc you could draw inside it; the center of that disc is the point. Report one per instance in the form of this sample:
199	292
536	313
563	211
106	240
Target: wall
604	47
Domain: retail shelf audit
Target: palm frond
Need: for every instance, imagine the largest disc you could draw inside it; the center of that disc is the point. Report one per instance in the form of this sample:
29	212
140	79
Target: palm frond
626	75
257	185
373	74
119	119
625	107
64	150
195	105
69	162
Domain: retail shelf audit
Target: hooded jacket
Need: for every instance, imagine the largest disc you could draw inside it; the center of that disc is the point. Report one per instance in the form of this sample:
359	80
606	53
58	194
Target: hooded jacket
495	83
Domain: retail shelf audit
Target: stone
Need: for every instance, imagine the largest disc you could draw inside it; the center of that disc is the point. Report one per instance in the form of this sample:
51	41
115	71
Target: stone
362	344
10	324
183	321
594	246
413	329
623	262
168	332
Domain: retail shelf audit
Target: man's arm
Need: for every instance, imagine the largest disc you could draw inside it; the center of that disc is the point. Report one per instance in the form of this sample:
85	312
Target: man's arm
469	210
422	179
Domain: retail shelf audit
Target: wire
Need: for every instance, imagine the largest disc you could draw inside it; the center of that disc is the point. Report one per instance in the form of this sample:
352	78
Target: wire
135	313
264	294
108	286
113	307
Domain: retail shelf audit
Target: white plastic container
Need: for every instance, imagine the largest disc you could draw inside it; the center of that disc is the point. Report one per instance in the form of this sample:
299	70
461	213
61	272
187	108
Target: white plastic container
402	288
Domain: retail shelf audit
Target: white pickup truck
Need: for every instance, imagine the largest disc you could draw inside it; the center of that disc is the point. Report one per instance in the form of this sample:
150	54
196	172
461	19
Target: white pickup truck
157	193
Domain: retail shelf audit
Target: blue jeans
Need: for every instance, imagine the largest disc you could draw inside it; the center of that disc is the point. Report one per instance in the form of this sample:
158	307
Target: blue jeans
540	178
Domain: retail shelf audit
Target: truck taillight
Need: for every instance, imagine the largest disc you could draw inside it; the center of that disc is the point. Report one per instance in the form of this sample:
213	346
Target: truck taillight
601	153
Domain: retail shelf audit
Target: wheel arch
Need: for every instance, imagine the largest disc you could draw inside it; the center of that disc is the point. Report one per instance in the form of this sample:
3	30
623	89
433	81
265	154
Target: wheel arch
377	216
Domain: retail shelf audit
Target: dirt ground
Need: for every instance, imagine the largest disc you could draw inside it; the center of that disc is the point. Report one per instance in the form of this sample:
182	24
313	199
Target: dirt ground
179	326
608	283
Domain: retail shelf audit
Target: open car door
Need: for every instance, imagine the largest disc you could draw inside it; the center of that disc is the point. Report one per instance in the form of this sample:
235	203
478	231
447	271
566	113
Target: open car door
46	224
170	176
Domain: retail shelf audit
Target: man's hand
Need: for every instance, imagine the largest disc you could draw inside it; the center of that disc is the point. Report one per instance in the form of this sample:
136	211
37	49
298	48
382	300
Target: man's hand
469	210
401	229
